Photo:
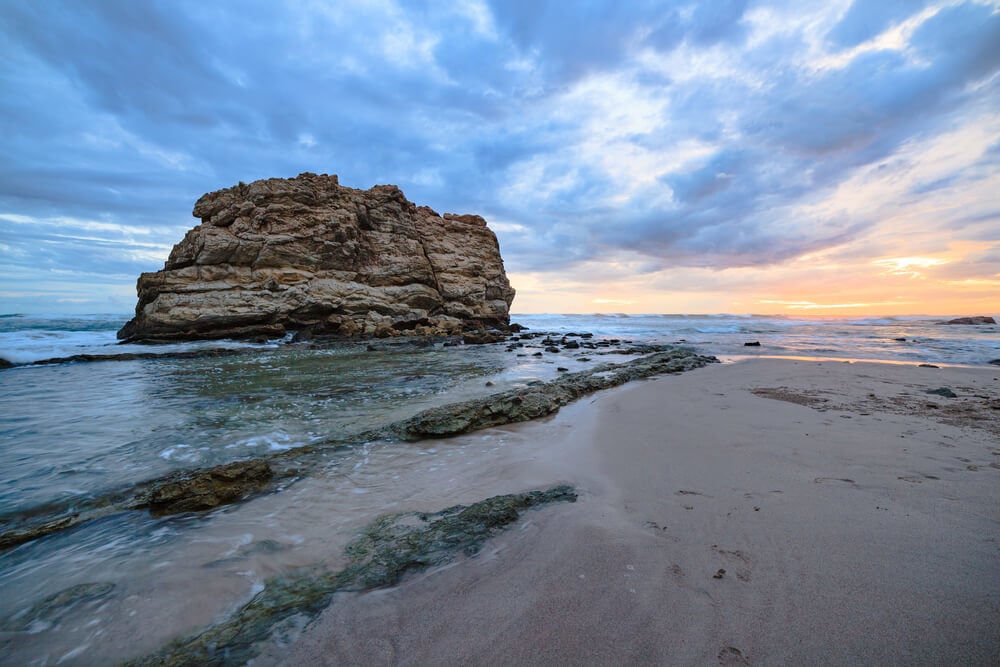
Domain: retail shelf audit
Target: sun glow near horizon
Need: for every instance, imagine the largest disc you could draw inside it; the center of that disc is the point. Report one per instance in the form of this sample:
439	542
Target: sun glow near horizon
932	285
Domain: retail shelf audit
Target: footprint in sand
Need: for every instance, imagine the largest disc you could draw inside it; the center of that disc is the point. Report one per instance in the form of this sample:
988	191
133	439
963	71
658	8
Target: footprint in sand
730	656
823	480
914	479
742	561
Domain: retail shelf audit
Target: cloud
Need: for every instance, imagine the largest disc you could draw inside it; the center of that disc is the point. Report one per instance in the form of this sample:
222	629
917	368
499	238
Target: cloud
864	21
706	135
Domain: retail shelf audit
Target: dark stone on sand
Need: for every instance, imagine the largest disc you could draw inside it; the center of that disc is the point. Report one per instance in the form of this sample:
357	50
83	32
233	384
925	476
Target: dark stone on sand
193	491
899	340
978	319
928	366
755	343
719	574
390	547
943	391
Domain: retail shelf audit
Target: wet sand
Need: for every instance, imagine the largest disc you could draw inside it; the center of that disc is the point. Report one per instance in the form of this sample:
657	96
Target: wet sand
763	512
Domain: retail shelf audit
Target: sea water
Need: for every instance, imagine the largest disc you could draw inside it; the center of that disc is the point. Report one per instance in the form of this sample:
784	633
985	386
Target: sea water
75	430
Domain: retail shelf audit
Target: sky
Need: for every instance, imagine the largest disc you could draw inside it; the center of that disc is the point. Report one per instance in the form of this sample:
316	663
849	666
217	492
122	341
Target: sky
829	158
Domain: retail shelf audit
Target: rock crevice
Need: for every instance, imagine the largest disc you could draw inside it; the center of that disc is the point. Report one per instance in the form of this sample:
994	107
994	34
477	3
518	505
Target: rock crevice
280	255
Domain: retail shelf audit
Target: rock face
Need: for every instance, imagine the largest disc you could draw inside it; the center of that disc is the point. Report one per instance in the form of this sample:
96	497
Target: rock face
307	254
978	319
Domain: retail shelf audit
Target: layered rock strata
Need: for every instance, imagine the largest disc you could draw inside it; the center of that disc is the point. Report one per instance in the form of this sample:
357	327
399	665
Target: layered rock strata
307	254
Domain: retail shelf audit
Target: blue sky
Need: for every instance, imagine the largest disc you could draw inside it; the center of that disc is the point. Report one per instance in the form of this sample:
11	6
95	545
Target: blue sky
732	156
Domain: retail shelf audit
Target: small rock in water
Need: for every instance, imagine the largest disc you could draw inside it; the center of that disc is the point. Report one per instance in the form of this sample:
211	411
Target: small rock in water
755	343
978	319
900	340
943	391
552	348
995	362
560	368
928	366
489	383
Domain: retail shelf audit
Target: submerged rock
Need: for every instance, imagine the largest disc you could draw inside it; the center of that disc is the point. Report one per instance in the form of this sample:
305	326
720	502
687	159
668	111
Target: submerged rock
51	609
282	255
192	491
391	547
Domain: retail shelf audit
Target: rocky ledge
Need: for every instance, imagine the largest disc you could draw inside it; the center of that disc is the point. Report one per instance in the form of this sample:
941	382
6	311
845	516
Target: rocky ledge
307	254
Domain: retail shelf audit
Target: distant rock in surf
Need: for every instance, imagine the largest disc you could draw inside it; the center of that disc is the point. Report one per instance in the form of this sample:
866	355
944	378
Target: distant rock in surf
307	254
978	319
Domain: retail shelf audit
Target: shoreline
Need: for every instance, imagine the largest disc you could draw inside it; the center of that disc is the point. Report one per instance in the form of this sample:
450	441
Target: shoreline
677	478
787	532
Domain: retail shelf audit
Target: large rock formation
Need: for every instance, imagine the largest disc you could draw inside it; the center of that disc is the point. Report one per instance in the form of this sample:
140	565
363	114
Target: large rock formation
307	254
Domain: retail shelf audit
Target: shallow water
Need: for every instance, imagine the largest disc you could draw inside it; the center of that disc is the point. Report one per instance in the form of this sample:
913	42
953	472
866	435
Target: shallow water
73	430
208	565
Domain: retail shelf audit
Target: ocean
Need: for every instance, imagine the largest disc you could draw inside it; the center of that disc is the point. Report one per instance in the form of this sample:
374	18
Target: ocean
72	431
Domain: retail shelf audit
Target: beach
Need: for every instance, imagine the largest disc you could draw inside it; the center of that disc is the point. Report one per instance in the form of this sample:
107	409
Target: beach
760	512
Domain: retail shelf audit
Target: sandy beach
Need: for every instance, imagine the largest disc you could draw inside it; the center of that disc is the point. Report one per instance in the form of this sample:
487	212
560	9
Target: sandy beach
758	512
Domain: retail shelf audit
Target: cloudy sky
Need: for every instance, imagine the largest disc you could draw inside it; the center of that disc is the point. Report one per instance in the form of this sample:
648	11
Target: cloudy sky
811	158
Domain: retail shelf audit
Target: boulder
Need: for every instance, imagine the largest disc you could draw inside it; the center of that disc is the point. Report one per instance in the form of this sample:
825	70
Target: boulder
282	255
978	319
